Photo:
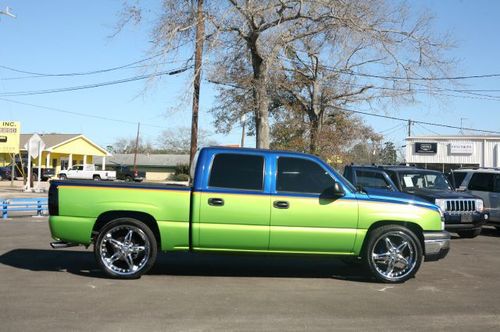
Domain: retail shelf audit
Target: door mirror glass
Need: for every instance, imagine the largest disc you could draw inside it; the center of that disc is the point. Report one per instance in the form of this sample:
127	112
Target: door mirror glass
334	191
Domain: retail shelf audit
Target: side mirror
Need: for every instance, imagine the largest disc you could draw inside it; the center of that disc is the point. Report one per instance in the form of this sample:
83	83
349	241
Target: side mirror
334	191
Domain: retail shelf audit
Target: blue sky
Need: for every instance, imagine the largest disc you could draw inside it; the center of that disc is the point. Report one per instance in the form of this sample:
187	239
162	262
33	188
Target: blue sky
73	36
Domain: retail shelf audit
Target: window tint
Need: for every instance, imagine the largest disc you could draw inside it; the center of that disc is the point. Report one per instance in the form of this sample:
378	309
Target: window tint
372	180
481	182
458	178
302	176
237	171
393	176
497	184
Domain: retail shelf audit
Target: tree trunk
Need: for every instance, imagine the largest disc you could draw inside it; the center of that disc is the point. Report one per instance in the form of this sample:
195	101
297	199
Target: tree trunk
261	101
314	128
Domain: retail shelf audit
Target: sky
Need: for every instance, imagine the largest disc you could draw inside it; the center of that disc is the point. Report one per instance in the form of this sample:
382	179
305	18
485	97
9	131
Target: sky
75	36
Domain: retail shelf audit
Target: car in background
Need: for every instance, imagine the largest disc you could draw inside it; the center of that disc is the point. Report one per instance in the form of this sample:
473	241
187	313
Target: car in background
5	173
86	172
464	213
484	183
127	173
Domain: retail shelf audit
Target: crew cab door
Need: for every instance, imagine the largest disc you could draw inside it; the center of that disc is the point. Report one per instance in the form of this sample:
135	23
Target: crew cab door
304	216
234	210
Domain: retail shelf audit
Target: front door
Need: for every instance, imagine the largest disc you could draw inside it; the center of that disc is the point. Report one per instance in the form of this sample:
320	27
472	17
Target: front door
235	210
304	217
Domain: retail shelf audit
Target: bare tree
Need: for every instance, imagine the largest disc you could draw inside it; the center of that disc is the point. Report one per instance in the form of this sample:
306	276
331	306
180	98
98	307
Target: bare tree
179	140
371	43
127	145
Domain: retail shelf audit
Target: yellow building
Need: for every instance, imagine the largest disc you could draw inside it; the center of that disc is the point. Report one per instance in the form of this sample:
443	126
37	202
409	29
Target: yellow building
62	151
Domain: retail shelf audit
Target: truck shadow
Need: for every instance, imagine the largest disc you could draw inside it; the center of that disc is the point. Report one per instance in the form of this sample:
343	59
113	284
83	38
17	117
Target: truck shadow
82	263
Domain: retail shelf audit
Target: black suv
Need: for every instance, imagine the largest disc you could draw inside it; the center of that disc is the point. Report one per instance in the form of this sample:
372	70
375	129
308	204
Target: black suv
464	213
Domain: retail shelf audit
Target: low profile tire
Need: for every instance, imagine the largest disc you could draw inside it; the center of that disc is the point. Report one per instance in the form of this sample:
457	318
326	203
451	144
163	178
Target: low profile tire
125	248
469	234
393	254
62	177
96	178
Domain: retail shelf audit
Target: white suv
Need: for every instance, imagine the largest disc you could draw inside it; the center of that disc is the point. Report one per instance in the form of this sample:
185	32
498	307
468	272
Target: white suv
482	182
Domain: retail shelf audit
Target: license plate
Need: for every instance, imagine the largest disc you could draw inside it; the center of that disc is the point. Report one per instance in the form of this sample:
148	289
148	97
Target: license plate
466	218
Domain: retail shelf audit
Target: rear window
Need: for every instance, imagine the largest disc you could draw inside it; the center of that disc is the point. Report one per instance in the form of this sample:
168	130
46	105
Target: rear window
237	171
482	182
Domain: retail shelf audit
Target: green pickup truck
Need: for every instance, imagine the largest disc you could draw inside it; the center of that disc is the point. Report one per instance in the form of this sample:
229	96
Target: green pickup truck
247	201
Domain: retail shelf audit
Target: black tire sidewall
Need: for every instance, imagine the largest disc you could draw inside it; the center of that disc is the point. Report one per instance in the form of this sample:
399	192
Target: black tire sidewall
153	251
373	238
469	234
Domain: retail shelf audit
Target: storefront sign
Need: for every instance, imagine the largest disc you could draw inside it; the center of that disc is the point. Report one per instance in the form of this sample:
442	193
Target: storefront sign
10	132
461	148
421	147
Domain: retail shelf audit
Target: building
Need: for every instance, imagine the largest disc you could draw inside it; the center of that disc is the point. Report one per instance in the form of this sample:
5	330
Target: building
158	167
451	152
62	151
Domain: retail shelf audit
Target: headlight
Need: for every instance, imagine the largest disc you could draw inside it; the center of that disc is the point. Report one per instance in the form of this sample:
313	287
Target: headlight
441	203
479	205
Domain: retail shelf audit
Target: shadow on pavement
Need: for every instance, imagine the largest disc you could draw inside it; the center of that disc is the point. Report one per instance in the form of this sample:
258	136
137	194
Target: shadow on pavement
192	264
493	232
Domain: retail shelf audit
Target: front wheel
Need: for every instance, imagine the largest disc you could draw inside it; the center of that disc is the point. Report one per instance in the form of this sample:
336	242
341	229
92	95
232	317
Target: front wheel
393	254
470	233
125	248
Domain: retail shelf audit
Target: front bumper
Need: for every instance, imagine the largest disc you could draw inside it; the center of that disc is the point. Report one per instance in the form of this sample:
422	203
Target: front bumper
436	245
464	221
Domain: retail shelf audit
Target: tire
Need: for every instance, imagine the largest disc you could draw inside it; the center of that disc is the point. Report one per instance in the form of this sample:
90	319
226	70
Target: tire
63	177
96	178
470	233
125	248
391	248
128	179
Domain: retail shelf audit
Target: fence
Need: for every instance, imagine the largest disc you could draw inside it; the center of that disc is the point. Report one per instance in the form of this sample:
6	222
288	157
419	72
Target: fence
37	205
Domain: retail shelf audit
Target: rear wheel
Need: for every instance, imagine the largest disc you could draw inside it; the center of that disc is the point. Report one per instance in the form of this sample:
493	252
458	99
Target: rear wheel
393	254
62	177
125	248
470	233
128	178
96	178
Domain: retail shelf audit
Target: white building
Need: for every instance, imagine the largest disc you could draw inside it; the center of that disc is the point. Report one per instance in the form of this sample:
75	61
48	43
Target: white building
450	152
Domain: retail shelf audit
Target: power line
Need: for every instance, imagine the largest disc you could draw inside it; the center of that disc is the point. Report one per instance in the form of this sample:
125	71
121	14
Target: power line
95	85
99	117
413	121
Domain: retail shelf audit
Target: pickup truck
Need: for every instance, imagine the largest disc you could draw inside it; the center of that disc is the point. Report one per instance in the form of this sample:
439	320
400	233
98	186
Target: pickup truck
464	213
127	173
247	201
86	172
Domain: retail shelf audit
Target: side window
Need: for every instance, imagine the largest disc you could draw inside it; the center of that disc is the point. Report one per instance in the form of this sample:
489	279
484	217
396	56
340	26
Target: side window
394	177
302	176
497	183
237	171
372	179
458	178
482	182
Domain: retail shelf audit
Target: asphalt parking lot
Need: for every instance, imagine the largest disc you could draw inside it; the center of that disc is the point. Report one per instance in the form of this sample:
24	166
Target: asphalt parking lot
62	290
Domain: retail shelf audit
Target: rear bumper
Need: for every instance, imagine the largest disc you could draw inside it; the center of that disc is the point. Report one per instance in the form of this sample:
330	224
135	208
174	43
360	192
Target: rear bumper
437	245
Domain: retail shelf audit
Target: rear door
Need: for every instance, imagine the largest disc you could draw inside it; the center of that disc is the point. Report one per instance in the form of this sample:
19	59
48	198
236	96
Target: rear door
235	209
482	185
303	218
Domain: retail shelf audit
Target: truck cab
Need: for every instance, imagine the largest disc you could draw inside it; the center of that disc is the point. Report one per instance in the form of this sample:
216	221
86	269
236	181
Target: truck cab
464	213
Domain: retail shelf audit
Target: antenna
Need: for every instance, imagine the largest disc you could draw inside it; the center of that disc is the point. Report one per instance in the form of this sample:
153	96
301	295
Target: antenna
7	12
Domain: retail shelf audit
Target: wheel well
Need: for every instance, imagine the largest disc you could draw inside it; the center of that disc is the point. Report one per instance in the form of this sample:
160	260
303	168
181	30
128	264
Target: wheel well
147	219
415	228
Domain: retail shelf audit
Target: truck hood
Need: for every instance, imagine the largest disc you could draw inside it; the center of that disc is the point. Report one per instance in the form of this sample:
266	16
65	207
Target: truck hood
395	197
431	194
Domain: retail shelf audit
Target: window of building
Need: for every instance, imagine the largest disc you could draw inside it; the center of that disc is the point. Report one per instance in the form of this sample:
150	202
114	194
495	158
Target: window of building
302	176
482	182
237	171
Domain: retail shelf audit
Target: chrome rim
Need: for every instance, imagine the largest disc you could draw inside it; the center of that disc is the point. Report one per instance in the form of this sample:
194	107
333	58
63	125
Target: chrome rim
124	249
394	255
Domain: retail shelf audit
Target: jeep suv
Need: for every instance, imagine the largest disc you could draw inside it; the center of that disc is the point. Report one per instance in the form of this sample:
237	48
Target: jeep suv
484	183
463	211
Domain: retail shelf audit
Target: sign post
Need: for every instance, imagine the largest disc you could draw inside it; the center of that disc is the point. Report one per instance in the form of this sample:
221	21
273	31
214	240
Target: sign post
35	147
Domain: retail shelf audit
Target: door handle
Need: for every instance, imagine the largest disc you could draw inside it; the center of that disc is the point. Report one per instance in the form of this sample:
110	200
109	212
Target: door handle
281	204
215	201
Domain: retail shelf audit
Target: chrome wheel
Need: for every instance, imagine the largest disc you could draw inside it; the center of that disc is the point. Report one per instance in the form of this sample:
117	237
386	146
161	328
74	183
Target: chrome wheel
394	255
124	250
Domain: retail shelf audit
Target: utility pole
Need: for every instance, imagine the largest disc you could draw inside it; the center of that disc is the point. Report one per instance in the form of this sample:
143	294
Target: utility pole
409	128
136	148
200	36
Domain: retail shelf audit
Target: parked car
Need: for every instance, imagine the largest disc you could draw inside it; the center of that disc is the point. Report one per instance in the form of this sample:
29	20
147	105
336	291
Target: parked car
47	173
86	172
5	173
247	201
484	183
126	173
464	213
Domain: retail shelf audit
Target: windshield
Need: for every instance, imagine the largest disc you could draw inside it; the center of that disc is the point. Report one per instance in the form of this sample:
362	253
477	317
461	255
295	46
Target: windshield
424	180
